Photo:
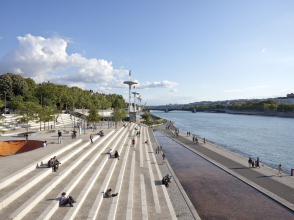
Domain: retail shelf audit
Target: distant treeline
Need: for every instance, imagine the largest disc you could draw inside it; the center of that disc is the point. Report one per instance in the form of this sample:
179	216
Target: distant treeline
268	105
19	90
206	107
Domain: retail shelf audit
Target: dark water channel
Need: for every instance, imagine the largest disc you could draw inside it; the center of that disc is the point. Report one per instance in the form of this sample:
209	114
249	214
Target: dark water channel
214	193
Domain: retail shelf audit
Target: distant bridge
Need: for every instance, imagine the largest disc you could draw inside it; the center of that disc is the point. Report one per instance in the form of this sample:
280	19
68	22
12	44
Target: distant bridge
189	110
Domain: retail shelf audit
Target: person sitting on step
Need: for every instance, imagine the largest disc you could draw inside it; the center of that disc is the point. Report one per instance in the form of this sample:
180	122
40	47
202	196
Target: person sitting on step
50	163
55	163
63	201
116	155
109	152
108	193
146	142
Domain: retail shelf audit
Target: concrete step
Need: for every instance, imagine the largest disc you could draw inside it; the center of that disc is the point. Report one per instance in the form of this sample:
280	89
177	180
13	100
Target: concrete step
167	208
37	197
84	186
26	185
110	182
83	189
82	174
13	177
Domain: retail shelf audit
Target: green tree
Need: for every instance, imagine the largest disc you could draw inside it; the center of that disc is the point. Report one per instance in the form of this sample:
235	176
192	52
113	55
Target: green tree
31	94
28	112
13	85
93	117
117	115
1	103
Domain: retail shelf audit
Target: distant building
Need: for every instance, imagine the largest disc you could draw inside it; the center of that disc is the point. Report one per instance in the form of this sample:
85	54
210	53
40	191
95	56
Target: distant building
289	99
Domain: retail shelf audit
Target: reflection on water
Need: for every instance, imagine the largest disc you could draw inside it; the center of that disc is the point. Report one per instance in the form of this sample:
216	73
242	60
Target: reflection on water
214	193
269	138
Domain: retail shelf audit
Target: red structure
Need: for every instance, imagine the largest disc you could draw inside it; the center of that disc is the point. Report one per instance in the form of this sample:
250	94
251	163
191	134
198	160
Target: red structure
17	147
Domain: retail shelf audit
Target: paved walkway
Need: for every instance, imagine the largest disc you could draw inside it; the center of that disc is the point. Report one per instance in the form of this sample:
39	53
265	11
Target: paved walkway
264	179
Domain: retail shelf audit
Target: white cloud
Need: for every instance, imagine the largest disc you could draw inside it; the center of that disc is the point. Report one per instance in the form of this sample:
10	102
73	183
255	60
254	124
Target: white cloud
163	84
290	90
173	90
248	88
37	56
263	50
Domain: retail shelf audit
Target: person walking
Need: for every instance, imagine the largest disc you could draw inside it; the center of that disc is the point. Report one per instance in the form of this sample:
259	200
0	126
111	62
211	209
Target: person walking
204	140
250	161
257	163
280	168
163	158
26	136
59	136
187	133
193	138
91	138
158	149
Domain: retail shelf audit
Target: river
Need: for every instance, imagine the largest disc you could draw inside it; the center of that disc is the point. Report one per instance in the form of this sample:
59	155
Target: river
269	138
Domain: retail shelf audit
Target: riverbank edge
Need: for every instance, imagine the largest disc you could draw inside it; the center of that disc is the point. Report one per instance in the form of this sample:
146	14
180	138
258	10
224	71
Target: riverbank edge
271	114
238	176
179	185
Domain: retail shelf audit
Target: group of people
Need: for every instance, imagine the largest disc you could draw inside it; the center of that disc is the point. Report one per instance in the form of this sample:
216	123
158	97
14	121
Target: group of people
253	163
101	133
176	133
54	164
195	139
188	133
116	155
138	133
166	180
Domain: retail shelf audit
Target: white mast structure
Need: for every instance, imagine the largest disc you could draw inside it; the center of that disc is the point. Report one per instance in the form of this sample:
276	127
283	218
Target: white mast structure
130	83
135	93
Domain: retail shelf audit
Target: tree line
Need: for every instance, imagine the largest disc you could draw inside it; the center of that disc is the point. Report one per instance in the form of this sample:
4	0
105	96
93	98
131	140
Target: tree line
41	101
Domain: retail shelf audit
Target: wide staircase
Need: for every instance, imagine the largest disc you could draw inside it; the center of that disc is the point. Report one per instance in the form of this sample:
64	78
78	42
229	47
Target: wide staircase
85	173
10	123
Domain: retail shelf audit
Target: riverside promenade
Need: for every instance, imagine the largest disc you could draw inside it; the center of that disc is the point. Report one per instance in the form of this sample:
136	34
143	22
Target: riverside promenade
29	190
264	180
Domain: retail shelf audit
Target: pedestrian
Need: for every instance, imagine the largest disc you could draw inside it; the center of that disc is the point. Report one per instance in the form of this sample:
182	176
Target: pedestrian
193	138
187	133
26	136
59	136
158	149
45	144
146	142
163	158
250	161
133	142
280	168
204	140
257	163
139	133
91	138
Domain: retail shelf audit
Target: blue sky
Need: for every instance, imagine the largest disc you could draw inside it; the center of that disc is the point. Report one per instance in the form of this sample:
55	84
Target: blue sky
178	51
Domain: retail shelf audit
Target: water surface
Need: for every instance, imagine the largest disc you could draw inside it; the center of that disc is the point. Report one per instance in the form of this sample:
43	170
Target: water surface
269	138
